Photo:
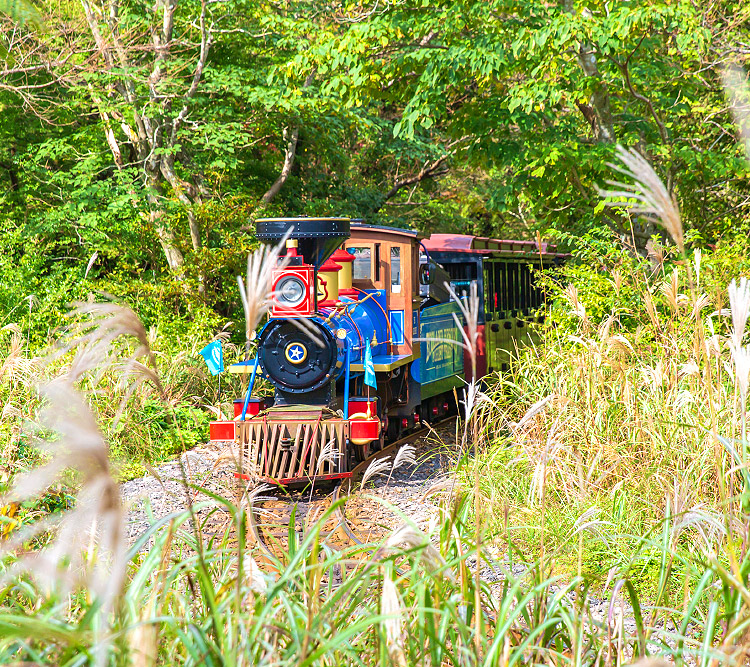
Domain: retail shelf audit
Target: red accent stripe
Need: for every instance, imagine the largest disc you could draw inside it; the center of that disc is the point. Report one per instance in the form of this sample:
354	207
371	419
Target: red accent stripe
289	480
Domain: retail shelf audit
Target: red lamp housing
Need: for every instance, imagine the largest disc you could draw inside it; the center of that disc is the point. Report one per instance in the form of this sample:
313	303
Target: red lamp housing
293	292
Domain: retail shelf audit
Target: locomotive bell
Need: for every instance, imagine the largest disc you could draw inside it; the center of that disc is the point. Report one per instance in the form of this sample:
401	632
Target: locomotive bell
317	238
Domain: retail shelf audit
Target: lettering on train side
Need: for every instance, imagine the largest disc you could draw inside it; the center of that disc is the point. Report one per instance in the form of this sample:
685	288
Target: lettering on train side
443	349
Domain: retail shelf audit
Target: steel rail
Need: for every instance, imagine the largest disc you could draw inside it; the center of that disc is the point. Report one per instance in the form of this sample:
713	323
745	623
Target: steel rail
336	495
256	527
360	469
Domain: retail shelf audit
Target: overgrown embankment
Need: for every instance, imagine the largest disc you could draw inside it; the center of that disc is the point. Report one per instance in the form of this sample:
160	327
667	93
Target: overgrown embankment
639	390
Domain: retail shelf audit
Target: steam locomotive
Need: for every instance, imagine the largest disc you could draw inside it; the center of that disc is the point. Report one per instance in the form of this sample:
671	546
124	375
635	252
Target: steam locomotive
344	287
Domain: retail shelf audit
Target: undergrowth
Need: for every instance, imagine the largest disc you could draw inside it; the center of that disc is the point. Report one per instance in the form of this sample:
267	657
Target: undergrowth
615	455
637	392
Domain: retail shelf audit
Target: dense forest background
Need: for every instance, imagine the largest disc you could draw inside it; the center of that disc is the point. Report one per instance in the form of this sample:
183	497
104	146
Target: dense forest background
139	140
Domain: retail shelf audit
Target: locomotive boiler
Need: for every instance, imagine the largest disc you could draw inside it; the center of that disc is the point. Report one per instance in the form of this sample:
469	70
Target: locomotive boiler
351	299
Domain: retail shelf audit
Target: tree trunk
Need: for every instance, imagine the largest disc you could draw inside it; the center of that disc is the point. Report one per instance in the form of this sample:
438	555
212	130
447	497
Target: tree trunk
605	130
175	259
286	170
156	215
601	119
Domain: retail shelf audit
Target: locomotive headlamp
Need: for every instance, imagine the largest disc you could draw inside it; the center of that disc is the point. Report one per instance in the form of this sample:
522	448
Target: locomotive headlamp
293	291
290	292
341	334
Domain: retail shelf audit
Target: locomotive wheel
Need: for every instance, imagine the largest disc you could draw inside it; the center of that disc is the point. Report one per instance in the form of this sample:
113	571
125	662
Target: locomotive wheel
361	452
394	430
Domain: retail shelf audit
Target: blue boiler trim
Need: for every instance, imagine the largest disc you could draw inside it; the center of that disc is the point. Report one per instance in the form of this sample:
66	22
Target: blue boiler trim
346	380
360	321
250	387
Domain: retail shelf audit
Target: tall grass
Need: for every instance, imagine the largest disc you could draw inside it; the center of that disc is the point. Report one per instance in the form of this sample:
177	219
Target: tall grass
611	450
625	416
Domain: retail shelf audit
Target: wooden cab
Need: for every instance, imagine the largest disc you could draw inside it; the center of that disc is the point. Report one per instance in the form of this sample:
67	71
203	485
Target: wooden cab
387	259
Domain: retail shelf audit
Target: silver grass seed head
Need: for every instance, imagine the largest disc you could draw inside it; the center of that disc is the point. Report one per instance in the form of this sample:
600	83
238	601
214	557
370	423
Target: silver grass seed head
257	492
377	467
105	321
589	522
577	308
14	328
256	289
408	537
739	308
652	200
469	307
686	513
255	579
532	412
392	609
405	456
447	483
474	399
97	518
99	337
328	454
701	301
742	371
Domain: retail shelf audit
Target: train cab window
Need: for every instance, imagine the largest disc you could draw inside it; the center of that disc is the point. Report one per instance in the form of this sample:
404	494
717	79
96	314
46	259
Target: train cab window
362	265
513	286
489	286
395	269
462	288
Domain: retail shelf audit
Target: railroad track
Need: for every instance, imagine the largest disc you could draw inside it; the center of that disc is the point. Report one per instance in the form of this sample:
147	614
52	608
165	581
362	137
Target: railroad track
270	519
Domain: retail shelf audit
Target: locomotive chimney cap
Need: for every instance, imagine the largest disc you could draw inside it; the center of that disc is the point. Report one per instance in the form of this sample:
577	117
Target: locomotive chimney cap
317	237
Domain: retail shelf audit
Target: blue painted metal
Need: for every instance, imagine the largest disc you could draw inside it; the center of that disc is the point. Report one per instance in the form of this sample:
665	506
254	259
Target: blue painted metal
346	380
416	370
250	388
359	320
397	326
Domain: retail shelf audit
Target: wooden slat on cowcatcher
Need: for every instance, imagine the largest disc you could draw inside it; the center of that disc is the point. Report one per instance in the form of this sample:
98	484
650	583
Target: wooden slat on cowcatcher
293	445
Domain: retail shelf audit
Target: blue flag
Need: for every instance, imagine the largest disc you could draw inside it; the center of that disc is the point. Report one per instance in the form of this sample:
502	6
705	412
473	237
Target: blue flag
369	368
214	357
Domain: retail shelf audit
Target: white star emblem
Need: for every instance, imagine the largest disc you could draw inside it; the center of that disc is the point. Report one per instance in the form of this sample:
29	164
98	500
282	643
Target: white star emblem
296	353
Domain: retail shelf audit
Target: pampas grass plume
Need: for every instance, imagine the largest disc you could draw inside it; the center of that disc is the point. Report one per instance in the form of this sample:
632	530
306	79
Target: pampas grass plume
377	467
649	192
405	456
392	609
77	444
256	289
409	537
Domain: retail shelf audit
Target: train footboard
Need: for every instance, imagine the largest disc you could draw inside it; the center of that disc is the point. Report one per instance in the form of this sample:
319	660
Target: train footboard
293	448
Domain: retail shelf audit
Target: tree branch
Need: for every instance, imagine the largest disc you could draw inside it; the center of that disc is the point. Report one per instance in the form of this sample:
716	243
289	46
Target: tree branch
286	170
197	74
430	169
624	68
291	135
